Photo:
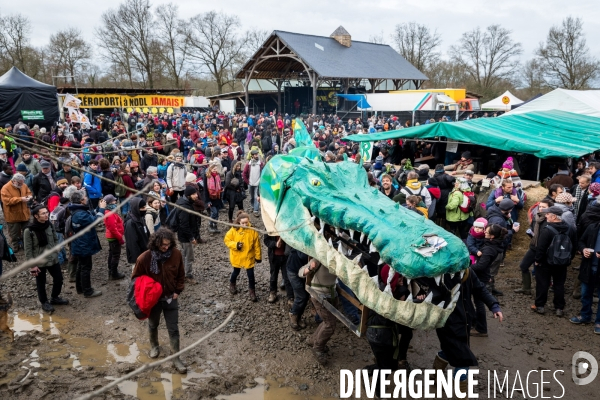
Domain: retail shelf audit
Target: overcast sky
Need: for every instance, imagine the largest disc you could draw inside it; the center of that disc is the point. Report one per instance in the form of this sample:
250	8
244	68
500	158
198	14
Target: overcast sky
528	19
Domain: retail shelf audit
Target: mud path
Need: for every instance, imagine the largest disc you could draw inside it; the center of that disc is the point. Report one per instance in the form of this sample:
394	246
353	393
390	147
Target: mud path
85	344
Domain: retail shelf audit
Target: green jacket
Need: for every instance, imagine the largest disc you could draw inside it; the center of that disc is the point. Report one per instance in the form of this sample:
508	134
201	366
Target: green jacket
32	247
453	213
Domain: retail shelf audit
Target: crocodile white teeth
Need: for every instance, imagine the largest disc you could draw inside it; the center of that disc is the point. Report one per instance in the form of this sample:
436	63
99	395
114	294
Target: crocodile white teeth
341	248
438	280
454	299
441	305
365	269
313	218
452	275
409	298
455	288
368	240
337	232
380	261
428	298
330	243
462	273
322	229
351	233
408	281
375	279
357	259
362	237
372	249
349	252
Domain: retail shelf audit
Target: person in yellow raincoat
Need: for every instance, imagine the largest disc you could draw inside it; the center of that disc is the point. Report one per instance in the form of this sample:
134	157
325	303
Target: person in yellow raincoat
244	252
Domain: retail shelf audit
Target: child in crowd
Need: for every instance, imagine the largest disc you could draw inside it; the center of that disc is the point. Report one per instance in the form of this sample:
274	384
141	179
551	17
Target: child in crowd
476	238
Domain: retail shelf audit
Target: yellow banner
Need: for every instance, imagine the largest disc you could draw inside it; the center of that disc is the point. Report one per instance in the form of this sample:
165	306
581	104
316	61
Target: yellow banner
125	101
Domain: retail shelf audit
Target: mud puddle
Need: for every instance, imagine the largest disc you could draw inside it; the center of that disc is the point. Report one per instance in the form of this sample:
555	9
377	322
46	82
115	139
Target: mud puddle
271	389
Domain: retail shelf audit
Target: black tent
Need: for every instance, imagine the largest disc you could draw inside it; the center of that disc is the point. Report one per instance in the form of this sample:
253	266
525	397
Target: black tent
25	98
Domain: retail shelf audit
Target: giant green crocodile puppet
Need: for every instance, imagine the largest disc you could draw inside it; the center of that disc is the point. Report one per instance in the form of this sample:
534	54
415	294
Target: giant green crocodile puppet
330	212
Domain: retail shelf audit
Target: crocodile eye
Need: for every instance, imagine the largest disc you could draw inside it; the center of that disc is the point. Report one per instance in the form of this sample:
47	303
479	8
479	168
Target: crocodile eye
315	182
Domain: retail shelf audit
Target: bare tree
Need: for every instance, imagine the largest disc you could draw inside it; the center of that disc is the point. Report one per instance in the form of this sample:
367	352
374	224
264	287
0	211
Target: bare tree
215	44
533	78
255	38
418	44
444	73
175	49
129	32
378	39
566	57
15	50
69	53
489	56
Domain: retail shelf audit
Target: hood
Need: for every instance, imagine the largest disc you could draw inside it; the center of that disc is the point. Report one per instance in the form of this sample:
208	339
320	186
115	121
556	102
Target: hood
564	207
413	184
494	211
435	192
561	227
134	209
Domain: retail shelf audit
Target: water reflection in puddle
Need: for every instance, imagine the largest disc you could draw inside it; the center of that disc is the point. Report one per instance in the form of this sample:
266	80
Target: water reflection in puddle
23	323
155	385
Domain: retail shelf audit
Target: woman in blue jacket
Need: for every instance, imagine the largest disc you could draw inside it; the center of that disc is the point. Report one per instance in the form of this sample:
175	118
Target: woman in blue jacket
93	184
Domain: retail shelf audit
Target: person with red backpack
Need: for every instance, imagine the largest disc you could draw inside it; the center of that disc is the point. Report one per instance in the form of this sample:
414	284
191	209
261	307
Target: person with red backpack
212	195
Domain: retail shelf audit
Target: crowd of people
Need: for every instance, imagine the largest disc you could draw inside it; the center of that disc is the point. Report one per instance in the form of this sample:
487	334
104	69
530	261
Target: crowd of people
150	179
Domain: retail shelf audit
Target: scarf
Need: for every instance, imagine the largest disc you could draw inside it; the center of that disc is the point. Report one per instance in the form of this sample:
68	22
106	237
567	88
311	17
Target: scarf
578	197
51	180
214	183
477	235
40	231
156	257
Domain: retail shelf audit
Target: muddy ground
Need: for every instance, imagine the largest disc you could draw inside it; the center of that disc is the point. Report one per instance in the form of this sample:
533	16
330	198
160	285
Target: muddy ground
82	346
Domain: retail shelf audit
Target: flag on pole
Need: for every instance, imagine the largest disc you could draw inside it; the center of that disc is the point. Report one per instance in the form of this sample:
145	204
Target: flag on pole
71	101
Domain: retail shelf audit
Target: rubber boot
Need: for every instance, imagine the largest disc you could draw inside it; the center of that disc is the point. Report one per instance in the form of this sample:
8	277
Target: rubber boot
154	350
526	289
182	369
253	295
232	288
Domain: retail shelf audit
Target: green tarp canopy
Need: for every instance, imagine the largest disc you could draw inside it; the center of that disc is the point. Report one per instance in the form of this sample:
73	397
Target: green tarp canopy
541	133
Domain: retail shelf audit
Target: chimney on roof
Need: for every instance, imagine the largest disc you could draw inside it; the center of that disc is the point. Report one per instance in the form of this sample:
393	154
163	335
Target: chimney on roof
342	36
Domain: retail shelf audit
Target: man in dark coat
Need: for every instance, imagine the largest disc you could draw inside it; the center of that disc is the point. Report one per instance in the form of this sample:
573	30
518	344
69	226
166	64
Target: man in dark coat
589	275
44	182
545	270
149	160
580	192
136	232
188	232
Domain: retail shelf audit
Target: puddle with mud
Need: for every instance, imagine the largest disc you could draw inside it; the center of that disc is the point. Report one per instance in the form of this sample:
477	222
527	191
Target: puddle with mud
67	351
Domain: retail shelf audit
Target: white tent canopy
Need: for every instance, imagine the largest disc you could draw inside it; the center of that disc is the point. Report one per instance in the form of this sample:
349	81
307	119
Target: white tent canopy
502	102
585	102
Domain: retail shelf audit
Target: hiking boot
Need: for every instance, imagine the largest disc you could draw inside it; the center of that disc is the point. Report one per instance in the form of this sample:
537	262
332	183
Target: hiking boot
190	280
47	307
116	276
320	356
95	293
539	310
559	312
201	241
310	343
290	302
439	363
579	320
294	322
154	350
182	369
252	294
475	333
58	301
272	297
232	288
301	323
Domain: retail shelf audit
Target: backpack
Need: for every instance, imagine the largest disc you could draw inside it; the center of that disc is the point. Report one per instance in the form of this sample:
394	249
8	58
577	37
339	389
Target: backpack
120	191
86	157
559	252
57	218
172	221
469	202
139	185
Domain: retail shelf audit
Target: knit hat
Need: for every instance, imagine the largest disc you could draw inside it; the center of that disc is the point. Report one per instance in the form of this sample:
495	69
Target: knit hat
466	155
508	164
506	204
564	198
142	204
595	189
109	198
464	184
62	181
480	223
190	190
21	167
191	178
45	164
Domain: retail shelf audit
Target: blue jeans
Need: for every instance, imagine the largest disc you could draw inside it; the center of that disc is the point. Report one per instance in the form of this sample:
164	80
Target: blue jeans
214	214
349	309
587	297
301	296
125	208
62	254
254	197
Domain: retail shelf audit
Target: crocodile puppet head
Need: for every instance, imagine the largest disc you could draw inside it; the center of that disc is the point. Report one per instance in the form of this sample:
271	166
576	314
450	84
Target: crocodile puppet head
330	212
